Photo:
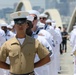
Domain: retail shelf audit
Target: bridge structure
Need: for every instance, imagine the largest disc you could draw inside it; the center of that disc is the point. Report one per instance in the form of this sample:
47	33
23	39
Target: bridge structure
52	13
72	21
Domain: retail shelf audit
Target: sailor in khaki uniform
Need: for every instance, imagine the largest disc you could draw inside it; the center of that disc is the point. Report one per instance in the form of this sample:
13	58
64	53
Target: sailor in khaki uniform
22	49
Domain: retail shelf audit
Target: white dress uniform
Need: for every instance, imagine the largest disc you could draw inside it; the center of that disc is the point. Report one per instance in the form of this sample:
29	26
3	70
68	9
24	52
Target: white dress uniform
9	34
46	69
73	44
52	31
46	35
72	34
49	38
2	40
74	59
2	37
59	40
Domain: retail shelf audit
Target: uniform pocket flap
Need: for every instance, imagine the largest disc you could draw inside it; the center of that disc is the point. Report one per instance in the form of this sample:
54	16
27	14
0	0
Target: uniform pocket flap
13	54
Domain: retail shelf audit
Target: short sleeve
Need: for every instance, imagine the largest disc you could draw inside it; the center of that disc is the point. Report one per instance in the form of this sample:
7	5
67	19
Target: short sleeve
42	51
3	53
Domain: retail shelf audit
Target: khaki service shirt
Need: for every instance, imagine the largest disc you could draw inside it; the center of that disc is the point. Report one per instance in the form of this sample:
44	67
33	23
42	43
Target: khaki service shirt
22	56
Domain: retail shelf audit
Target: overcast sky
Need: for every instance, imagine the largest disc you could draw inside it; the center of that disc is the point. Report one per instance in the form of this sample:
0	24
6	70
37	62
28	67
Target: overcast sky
7	3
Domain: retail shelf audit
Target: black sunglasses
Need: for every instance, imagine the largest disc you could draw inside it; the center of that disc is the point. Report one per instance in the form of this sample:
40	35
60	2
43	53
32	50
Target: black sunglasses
42	18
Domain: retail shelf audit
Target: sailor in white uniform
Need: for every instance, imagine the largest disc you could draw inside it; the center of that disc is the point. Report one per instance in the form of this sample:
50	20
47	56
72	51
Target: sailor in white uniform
48	37
74	53
8	34
59	40
52	31
2	37
51	28
2	40
73	44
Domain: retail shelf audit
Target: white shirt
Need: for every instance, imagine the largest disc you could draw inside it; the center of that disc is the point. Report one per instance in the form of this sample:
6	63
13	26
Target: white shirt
47	36
21	40
51	30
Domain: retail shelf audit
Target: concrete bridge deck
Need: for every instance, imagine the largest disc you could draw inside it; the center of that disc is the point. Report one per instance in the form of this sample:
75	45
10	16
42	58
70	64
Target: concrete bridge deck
67	66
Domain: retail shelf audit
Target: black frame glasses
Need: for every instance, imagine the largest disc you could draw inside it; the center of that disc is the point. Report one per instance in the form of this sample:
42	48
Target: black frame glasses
42	18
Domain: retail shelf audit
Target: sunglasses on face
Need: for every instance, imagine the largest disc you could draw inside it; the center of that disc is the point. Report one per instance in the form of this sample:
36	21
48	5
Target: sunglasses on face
42	18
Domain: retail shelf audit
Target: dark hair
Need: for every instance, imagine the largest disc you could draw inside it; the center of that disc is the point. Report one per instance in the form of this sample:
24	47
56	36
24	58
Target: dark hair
59	27
35	18
28	30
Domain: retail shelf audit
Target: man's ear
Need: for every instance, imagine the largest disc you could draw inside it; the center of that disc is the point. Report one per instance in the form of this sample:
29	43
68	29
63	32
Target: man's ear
27	26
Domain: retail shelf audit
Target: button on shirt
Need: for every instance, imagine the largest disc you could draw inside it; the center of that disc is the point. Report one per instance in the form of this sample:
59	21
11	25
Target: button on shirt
22	56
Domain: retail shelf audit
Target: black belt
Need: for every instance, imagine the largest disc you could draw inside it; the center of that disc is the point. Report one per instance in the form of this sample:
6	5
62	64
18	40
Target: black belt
24	74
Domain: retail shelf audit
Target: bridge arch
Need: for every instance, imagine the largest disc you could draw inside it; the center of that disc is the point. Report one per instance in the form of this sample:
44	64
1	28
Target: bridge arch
72	21
25	3
54	15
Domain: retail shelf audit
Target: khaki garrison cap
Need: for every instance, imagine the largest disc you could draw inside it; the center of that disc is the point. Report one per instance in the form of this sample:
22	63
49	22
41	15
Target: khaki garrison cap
19	14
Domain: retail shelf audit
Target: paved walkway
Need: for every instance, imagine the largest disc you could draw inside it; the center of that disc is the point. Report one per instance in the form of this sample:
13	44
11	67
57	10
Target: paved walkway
67	62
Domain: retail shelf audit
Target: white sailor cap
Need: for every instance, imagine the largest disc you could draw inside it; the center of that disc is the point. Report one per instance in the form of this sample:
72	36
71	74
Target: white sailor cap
3	24
34	12
48	21
30	18
43	15
19	14
53	23
9	26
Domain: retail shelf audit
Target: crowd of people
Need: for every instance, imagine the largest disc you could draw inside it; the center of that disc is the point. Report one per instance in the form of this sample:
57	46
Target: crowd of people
31	44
